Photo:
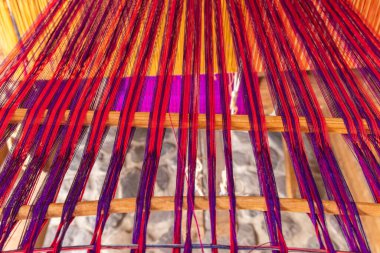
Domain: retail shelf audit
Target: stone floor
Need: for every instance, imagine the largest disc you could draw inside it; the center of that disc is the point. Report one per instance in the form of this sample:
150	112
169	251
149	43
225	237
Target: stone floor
251	226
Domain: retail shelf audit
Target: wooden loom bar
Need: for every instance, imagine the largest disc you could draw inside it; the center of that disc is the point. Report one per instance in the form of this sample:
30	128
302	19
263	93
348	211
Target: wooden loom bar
238	122
127	205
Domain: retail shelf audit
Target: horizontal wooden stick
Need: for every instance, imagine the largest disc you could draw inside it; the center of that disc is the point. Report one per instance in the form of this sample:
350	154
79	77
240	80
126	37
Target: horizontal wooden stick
127	205
264	246
238	122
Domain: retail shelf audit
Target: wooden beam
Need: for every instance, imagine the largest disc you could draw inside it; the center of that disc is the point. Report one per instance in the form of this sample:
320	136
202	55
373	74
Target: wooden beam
127	205
238	122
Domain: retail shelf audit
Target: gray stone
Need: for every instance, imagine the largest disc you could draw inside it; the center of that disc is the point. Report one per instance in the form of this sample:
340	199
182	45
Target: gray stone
246	234
251	226
116	220
130	183
140	135
137	153
163	177
168	148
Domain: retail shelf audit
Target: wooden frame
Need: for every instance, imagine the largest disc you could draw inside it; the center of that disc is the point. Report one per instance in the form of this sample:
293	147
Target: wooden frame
127	205
238	122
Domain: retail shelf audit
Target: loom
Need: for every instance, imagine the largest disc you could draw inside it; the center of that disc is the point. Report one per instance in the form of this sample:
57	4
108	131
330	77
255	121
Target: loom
74	68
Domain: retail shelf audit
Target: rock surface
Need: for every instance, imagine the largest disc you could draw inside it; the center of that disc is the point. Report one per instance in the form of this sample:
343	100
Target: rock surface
251	227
